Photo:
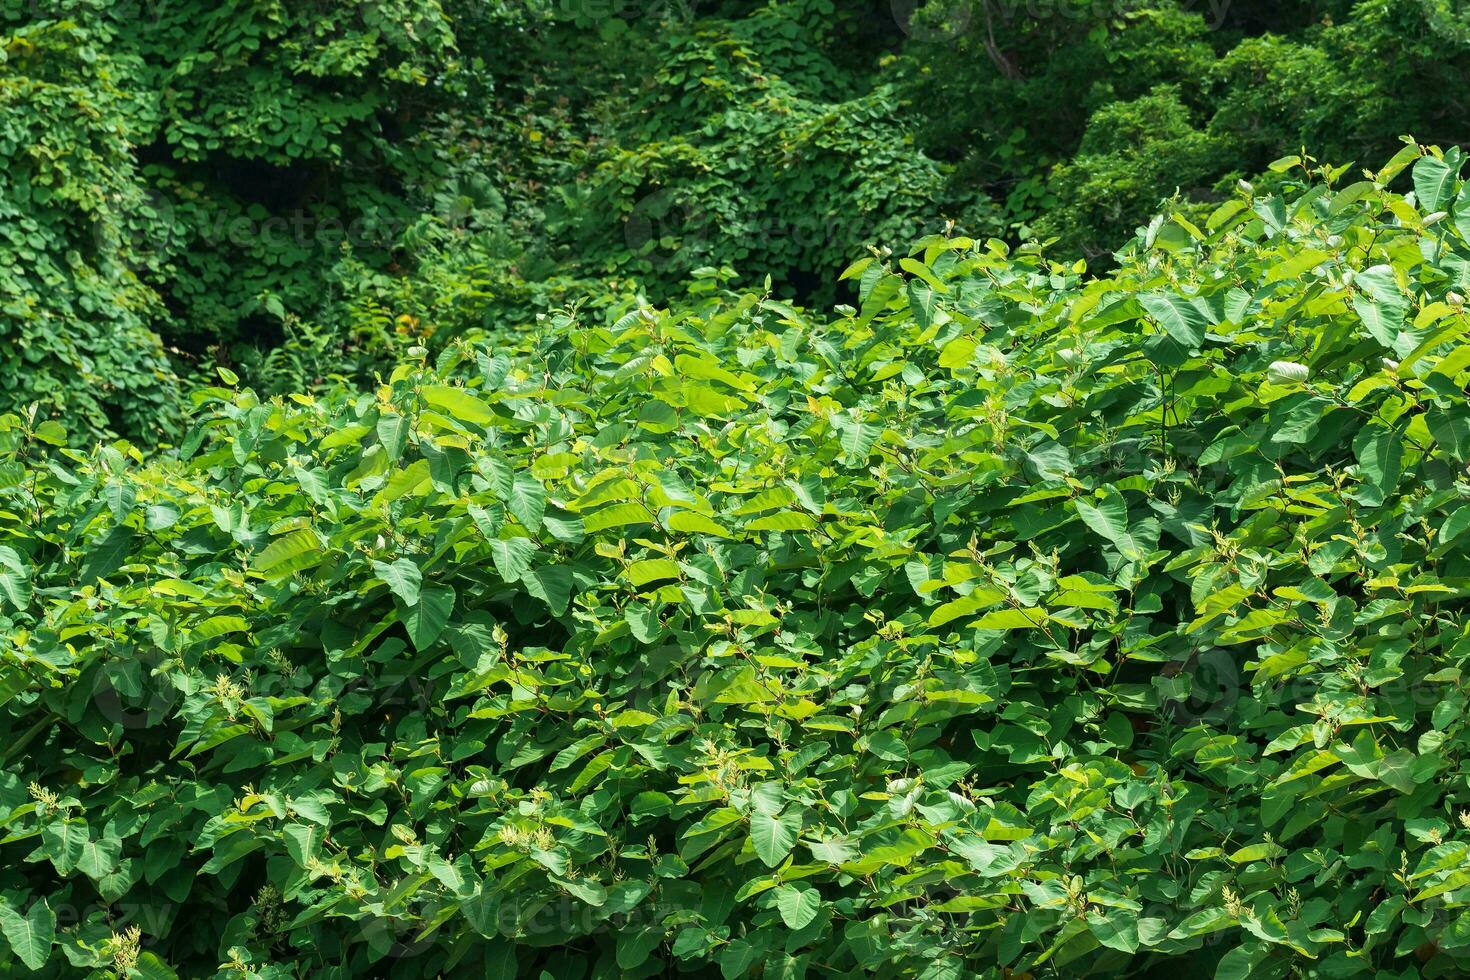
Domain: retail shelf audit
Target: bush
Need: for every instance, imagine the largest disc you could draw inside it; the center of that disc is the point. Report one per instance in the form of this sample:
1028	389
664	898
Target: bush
1013	622
1135	156
75	342
748	148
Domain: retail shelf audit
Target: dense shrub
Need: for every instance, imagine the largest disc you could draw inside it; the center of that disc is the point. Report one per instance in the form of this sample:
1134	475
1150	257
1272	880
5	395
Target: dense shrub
1009	92
749	147
182	175
1134	154
265	185
1013	621
74	227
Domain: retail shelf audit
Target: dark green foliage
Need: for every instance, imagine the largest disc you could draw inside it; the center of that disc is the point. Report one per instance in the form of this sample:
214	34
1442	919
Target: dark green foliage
1132	153
284	171
77	230
753	150
190	171
1022	88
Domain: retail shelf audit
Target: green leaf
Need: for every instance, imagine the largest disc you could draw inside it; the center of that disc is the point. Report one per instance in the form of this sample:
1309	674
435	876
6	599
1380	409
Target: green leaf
737	957
302	842
512	557
99	857
31	935
1397	770
447	874
313	483
458	403
403	578
1184	319
1239	962
617	515
798	904
858	439
876	301
1116	929
1109	520
640	573
500	960
426	619
786	520
689	522
289	553
957	353
552	584
1380	304
965	605
1462	212
1434	183
1011	619
110	555
923	301
150	967
636	945
1454	526
393	434
51	432
773	836
62	841
1380	459
15	582
1256	852
1451	430
527	501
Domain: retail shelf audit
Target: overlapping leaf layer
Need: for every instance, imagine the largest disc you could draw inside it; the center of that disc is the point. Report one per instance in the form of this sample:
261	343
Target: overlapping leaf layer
1011	622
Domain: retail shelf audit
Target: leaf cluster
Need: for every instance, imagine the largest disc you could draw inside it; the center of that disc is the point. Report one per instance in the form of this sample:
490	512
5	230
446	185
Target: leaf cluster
1007	622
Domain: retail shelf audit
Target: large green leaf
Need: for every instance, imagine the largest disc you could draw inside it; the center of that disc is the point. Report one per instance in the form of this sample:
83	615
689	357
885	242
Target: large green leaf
1108	518
30	933
1380	304
552	584
459	403
1186	320
15	582
774	835
799	904
512	557
404	579
426	619
527	501
99	857
1434	183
